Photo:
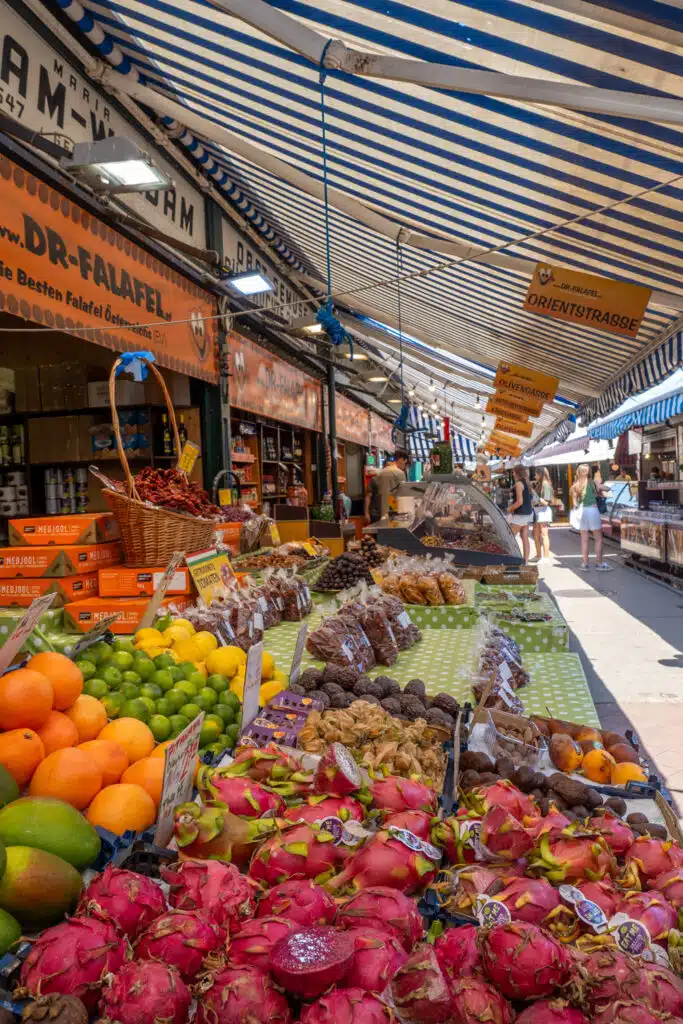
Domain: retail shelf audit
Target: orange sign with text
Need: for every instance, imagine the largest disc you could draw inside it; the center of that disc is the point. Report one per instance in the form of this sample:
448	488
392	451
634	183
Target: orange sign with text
62	267
513	427
587	299
498	405
263	384
505	443
528	388
353	421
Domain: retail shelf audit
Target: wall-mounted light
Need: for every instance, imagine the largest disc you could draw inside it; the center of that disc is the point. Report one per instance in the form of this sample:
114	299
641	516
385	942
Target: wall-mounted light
477	404
377	380
357	356
411	392
115	165
250	283
394	401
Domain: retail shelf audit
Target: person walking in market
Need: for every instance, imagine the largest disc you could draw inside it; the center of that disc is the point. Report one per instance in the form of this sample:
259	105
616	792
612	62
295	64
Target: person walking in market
543	513
521	512
586	497
384	487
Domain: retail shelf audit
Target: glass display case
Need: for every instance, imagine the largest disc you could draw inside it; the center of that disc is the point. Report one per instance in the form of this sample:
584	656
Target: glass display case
622	499
644	533
449	516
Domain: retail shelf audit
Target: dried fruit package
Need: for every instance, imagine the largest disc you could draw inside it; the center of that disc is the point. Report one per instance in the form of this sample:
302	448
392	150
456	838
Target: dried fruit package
296	598
411	591
377	628
405	632
452	589
430	589
269	605
340	640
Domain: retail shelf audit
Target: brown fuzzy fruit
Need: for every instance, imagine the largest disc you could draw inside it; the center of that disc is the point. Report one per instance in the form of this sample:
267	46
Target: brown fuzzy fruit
565	753
55	1009
624	752
588	733
594	800
588	745
477	762
611	739
636	818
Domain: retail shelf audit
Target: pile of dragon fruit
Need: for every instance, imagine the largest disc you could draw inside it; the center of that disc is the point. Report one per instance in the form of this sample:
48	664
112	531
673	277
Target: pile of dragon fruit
310	914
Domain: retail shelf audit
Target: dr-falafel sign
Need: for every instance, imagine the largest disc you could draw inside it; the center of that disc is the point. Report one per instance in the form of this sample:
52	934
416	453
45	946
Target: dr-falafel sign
614	306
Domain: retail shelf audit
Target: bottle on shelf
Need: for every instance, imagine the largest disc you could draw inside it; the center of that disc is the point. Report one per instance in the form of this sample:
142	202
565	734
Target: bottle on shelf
182	432
5	458
17	444
167	442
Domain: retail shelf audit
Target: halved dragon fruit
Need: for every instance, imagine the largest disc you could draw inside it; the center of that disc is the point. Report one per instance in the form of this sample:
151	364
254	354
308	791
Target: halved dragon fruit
255	940
376	958
337	773
239	994
181	939
347	1006
309	961
384	908
301	901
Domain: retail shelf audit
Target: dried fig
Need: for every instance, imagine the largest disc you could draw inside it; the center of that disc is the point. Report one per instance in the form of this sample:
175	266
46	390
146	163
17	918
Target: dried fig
478	762
624	752
611	739
618	805
636	818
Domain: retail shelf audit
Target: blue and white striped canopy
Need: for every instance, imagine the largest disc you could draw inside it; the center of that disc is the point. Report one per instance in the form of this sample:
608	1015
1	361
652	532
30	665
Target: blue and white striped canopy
482	171
657	406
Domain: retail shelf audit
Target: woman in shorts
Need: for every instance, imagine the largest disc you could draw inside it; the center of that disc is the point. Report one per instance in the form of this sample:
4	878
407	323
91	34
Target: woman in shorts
543	513
520	512
585	516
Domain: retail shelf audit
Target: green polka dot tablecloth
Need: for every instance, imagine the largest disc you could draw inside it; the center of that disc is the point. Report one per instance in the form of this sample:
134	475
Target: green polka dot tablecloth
534	637
558	685
483	590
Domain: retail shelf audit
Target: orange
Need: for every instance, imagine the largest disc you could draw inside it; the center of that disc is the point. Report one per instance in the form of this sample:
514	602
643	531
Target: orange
111	759
597	765
148	773
65	676
122	807
627	772
89	717
58	731
160	750
21	751
69	775
134	736
25	699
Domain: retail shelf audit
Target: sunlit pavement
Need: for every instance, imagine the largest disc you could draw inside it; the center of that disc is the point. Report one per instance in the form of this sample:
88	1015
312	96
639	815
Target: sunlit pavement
628	631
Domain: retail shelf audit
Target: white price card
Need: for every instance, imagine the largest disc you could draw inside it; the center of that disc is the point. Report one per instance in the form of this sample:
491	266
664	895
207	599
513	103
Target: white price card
252	684
295	670
180	760
25	627
159	594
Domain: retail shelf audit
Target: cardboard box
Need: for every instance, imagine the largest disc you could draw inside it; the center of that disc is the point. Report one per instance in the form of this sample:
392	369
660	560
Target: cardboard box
55	439
139	582
55	561
63	386
19	593
90	528
80	616
27	389
128	392
178	388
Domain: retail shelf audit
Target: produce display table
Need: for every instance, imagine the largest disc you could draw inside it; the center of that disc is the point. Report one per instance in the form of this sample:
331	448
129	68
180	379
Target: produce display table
533	637
484	590
558	683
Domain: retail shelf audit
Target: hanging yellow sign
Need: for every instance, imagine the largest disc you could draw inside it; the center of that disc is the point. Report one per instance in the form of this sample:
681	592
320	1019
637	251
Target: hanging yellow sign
527	387
513	427
586	299
498	405
504	443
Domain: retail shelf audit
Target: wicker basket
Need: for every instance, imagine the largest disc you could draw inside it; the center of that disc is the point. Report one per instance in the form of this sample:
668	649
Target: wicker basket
151	535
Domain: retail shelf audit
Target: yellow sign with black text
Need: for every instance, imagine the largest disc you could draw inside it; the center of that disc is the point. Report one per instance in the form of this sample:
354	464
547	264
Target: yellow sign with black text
498	405
587	299
505	443
211	572
513	427
527	387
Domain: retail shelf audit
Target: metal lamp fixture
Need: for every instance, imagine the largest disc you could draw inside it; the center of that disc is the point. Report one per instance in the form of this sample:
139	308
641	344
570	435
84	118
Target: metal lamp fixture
250	283
115	165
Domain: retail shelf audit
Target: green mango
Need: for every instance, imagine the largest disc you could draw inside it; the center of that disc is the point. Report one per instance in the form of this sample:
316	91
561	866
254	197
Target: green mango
8	788
50	825
37	887
10	931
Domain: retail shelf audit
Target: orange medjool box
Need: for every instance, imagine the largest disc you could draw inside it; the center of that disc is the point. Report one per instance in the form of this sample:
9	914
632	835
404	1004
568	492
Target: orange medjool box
55	561
80	616
21	592
89	528
124	582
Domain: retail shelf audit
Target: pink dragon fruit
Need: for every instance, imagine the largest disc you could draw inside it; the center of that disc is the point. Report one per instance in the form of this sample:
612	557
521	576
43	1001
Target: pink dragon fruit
665	989
337	773
529	899
553	823
130	900
652	857
475	879
503	837
307	962
386	861
299	851
243	797
320	806
606	975
503	794
240	994
219	889
419	989
551	1011
523	961
616	832
396	794
381	907
458	954
73	959
211	832
623	1012
302	901
457	837
376	958
603	893
417	822
145	991
348	1006
475	1001
255	940
573	856
652	910
181	939
267	765
670	884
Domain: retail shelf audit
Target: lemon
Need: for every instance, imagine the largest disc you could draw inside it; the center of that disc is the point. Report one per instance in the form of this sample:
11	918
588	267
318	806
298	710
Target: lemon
280	677
187	650
201	667
175	633
153	652
268	691
186	623
237	687
267	666
225	661
148	637
206	641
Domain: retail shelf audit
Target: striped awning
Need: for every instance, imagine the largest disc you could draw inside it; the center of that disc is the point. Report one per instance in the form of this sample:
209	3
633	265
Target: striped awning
657	407
481	171
464	449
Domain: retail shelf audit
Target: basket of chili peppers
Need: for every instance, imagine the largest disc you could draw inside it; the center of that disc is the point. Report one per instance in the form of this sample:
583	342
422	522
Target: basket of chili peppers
159	511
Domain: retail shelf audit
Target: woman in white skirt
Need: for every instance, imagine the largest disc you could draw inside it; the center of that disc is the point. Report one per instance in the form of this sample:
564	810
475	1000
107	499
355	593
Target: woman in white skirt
543	513
520	512
585	516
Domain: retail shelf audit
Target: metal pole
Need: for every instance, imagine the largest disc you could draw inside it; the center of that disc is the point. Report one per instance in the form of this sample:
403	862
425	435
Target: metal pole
332	432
